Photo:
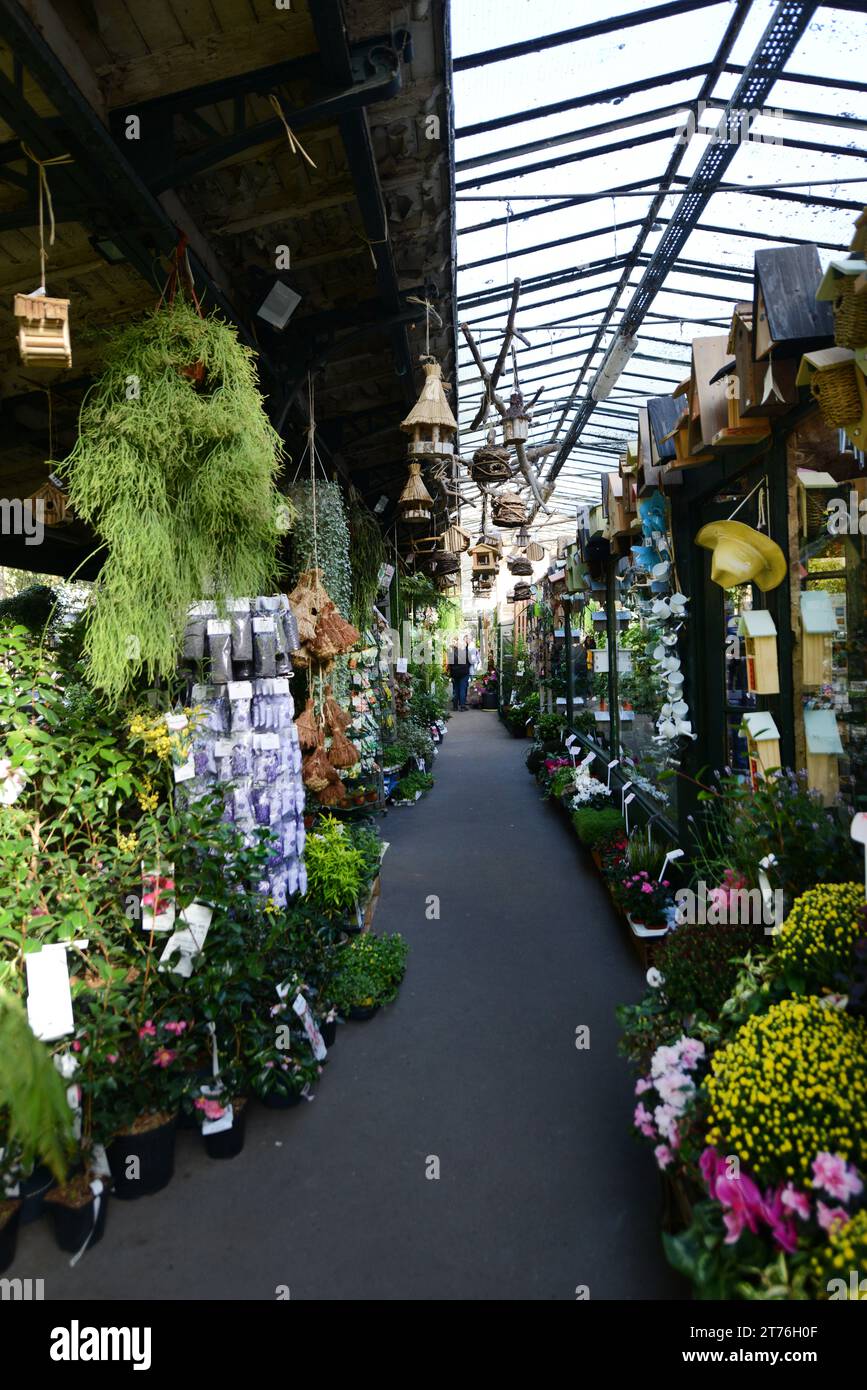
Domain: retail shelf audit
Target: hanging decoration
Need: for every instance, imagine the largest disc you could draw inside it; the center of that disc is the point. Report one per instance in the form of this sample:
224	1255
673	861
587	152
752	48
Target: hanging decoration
430	423
742	555
43	320
415	502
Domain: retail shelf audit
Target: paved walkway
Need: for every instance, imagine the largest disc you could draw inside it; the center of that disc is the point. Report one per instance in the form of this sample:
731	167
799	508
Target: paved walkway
541	1186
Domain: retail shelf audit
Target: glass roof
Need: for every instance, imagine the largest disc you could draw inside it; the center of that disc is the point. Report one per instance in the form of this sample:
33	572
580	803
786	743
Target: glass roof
572	161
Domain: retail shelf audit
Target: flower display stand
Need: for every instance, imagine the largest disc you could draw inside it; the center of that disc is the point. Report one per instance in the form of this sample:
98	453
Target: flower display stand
645	940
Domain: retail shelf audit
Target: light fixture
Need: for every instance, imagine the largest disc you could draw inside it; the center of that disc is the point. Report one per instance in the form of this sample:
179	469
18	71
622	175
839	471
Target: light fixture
618	355
108	249
279	305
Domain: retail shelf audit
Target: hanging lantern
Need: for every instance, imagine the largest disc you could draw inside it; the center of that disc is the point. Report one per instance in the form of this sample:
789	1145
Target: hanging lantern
415	502
430	422
43	330
516	421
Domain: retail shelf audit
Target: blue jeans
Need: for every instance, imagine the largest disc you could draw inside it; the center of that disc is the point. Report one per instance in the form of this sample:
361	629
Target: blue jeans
460	686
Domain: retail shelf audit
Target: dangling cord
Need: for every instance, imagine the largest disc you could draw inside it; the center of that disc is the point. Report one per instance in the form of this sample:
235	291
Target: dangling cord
45	197
428	310
294	143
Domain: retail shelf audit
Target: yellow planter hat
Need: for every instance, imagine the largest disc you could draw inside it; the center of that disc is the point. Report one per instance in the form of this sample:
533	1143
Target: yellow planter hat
742	555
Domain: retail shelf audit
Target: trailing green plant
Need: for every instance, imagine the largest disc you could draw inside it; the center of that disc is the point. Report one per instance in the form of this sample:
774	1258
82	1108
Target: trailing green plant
327	544
335	867
370	971
367	842
366	558
178	480
592	826
35	1118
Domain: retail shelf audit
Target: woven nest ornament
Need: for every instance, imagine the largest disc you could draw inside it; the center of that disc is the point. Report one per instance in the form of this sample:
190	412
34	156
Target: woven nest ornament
308	599
55	509
445	563
431	422
333	795
342	752
519	565
509	510
336	719
491	464
317	772
322	631
308	729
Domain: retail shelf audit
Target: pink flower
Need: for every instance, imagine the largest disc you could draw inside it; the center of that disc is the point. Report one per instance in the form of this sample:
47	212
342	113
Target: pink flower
76	1047
795	1201
147	1029
743	1202
665	883
111	1057
782	1229
642	1085
212	1109
269	1064
647	887
831	1173
176	1028
828	1218
663	1155
164	1056
691	1052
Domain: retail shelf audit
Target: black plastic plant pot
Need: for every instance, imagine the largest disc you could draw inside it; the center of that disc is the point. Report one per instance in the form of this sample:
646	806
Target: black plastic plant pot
73	1225
229	1142
281	1100
33	1190
329	1032
155	1151
9	1239
359	1012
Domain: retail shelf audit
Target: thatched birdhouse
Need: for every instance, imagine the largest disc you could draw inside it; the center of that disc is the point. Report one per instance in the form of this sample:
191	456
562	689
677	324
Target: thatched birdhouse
786	315
43	330
818	626
840	288
759	632
415	502
430	423
824	747
763	745
516	421
508	510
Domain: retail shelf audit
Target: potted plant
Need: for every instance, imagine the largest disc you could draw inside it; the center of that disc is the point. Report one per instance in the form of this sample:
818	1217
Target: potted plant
335	870
78	1209
281	1065
369	974
595	826
647	902
549	730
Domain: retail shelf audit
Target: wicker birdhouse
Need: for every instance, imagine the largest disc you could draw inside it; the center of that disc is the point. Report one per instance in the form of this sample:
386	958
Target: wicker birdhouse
818	626
456	539
491	465
759	632
43	331
523	593
763	745
519	564
516	421
415	502
55	506
508	510
836	383
840	286
431	422
824	747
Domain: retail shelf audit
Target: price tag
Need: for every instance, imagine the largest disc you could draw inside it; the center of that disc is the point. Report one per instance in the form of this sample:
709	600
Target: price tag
400	665
570	740
49	999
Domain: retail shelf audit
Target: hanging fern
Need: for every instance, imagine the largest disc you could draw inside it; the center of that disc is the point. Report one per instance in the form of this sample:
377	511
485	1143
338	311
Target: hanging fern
330	547
366	556
179	480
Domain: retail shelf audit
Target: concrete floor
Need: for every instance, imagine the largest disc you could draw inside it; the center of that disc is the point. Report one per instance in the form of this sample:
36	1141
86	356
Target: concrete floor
541	1186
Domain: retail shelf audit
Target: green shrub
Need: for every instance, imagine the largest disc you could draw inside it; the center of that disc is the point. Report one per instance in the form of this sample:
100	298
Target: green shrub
410	784
369	972
335	867
700	963
593	827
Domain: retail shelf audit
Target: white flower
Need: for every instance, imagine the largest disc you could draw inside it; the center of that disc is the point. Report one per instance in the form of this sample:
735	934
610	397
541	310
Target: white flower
655	978
11	783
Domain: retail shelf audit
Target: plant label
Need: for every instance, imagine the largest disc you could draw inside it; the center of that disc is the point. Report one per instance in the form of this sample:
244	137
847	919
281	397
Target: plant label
224	1121
570	740
158	912
614	763
401	665
314	1037
669	859
626	803
49	999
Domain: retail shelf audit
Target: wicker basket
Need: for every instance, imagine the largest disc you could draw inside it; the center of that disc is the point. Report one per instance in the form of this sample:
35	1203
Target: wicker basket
850	316
508	510
491	465
836	390
519	565
445	563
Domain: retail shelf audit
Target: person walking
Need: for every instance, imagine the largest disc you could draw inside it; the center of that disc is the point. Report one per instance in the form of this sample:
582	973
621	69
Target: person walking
462	662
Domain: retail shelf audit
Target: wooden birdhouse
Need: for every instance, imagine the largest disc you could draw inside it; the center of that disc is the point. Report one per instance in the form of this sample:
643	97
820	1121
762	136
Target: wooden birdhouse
763	745
839	288
516	421
486	560
43	331
787	318
707	392
683	421
813	487
55	509
824	747
415	502
818	627
456	539
618	516
838	385
759	632
431	422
